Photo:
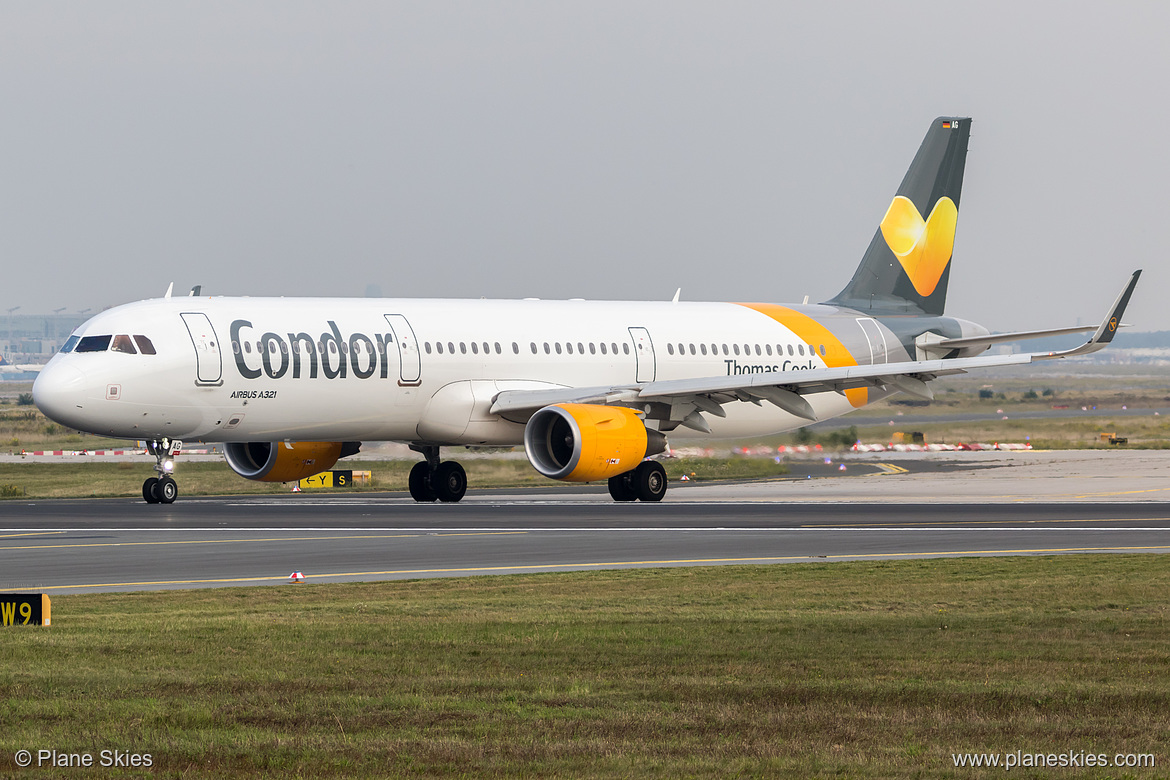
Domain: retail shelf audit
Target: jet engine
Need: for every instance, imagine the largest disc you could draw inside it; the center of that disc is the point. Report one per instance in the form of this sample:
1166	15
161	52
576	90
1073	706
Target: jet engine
587	442
285	461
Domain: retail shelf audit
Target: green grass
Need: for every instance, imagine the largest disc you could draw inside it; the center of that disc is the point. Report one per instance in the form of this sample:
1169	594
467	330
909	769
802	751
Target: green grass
812	670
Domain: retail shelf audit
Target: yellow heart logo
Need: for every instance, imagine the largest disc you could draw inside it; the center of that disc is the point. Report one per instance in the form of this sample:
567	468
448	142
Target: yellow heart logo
923	247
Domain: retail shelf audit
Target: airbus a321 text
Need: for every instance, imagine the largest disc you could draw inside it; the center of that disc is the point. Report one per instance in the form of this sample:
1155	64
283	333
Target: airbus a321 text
591	388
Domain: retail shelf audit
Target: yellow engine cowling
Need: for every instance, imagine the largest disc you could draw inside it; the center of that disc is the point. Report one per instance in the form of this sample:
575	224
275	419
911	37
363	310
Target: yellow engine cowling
587	442
285	461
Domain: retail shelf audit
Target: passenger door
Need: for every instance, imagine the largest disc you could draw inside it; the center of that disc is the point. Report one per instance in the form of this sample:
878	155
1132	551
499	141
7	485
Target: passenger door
410	362
644	352
208	363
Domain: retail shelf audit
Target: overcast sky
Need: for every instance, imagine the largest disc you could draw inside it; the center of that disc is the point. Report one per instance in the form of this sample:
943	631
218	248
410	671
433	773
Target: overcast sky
741	151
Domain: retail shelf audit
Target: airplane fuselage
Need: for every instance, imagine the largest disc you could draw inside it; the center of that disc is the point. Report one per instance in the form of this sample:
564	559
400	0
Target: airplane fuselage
337	369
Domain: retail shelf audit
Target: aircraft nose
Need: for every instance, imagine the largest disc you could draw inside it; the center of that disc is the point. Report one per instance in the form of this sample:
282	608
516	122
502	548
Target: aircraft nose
59	393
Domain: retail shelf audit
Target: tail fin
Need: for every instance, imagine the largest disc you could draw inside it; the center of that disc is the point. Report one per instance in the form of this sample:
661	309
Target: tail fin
908	263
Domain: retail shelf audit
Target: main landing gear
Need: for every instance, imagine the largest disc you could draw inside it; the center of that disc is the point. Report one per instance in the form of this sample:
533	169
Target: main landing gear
430	479
647	482
162	489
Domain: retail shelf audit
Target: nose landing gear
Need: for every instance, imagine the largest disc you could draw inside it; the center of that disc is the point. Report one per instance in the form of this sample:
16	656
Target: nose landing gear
162	489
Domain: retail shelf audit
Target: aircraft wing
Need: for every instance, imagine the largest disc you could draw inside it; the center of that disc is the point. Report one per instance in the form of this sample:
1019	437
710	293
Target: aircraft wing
688	399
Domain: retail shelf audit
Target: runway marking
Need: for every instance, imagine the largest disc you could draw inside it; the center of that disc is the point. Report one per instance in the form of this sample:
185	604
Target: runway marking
1121	493
477	533
895	525
1081	496
31	533
210	541
888	469
612	564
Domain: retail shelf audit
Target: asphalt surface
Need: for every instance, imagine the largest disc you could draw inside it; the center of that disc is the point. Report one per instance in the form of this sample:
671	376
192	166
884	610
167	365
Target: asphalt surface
910	511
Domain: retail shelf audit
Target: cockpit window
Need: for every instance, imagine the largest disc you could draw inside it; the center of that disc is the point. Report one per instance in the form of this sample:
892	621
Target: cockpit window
144	345
93	344
122	343
70	343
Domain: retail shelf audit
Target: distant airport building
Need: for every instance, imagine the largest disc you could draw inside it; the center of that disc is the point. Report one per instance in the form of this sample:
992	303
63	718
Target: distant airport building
33	338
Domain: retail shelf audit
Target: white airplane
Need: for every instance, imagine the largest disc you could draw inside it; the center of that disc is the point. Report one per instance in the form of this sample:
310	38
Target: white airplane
18	368
592	389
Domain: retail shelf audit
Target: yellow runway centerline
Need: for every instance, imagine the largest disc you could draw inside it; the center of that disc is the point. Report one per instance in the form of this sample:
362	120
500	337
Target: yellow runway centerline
31	533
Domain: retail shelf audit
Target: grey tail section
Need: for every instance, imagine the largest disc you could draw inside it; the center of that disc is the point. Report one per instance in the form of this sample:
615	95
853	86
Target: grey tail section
881	286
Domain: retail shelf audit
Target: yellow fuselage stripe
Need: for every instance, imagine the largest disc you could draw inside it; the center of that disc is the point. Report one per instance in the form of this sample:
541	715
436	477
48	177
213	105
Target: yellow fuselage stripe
810	331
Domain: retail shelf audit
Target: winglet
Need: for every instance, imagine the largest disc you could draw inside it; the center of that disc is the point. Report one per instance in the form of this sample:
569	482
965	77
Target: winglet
1106	330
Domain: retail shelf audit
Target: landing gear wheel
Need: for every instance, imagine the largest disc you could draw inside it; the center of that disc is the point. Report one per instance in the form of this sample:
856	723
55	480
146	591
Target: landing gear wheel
148	490
166	491
449	481
650	480
620	488
420	483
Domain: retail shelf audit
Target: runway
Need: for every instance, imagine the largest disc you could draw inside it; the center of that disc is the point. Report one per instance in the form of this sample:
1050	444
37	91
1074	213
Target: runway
916	507
85	546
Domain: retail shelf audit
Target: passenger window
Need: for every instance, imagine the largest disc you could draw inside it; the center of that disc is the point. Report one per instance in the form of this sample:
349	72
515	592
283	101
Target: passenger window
462	347
757	349
603	347
516	348
682	349
498	350
248	347
451	347
439	347
768	349
822	350
557	346
800	349
568	347
692	349
735	348
93	344
122	343
669	348
724	349
474	348
146	347
427	346
533	345
235	347
790	350
547	350
592	348
703	348
70	343
626	348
